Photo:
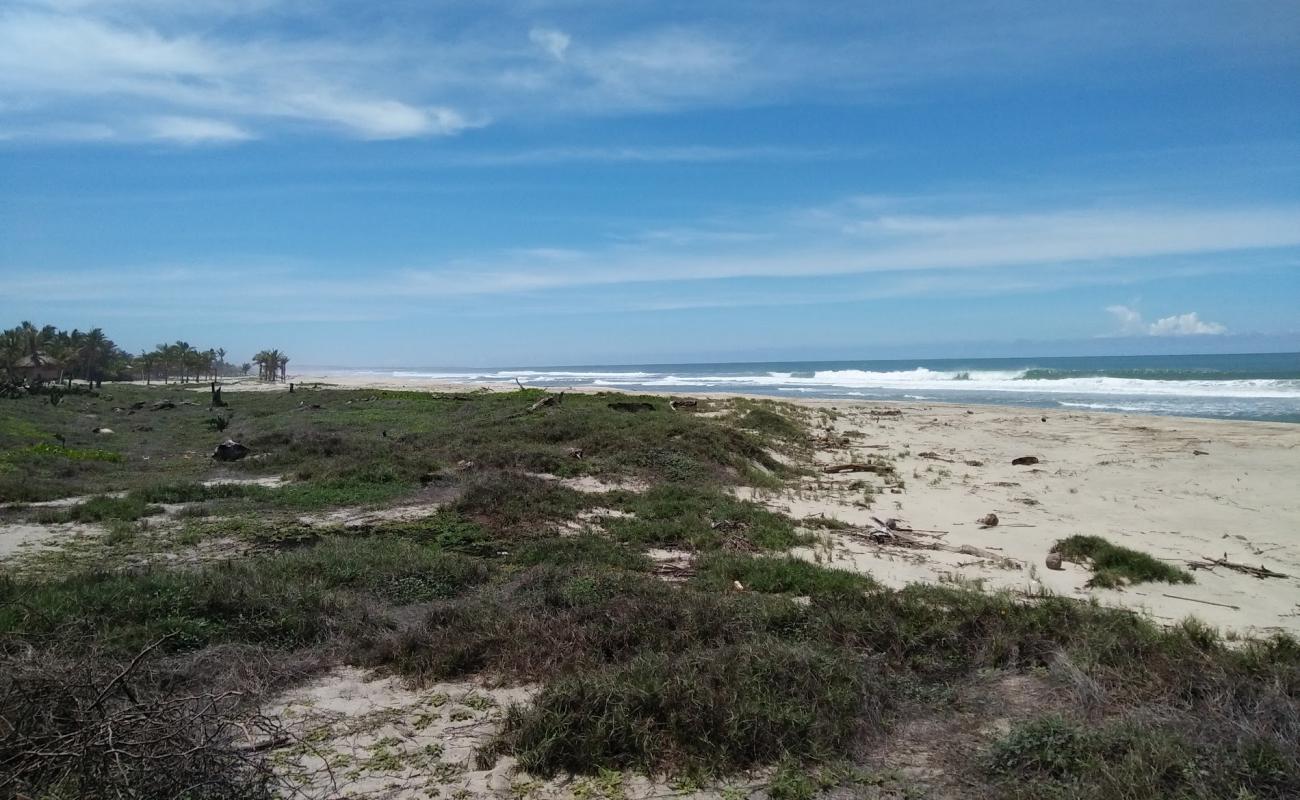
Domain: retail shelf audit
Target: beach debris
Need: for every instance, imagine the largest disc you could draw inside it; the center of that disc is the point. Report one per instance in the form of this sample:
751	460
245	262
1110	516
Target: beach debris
464	465
878	469
162	405
935	457
973	462
104	431
230	450
630	406
1199	453
989	520
1054	560
1024	461
1259	572
575	452
1204	602
738	586
882	535
685	402
548	400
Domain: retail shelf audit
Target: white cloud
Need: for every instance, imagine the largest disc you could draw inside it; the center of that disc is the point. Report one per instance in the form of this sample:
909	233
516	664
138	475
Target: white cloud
266	65
1130	323
196	130
554	42
1188	324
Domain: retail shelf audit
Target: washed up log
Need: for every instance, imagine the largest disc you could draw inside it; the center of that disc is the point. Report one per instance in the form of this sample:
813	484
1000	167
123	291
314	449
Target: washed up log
1024	461
1259	572
878	469
548	400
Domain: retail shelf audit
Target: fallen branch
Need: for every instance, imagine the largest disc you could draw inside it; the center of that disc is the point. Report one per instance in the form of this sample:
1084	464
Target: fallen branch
1205	602
895	538
548	400
1259	572
878	469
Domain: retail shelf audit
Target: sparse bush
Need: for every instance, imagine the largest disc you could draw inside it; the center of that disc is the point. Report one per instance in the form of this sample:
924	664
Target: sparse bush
1114	566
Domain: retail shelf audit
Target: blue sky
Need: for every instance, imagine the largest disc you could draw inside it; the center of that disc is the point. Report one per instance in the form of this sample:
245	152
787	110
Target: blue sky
571	181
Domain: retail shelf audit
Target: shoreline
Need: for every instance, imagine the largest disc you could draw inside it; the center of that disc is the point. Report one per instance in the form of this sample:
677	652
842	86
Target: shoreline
1179	488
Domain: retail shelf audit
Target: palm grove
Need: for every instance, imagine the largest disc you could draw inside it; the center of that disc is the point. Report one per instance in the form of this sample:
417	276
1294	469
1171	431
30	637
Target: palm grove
31	354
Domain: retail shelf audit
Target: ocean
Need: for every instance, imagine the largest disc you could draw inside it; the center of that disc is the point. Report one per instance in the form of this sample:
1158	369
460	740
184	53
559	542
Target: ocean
1248	386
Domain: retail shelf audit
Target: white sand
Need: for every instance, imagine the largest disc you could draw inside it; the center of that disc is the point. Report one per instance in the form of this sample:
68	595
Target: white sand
1133	480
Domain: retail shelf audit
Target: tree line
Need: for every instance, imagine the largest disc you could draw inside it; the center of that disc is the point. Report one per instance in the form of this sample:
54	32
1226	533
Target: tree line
46	353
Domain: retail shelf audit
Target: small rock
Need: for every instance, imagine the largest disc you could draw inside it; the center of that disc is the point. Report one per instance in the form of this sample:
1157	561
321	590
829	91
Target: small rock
104	431
1024	461
1054	561
988	520
230	450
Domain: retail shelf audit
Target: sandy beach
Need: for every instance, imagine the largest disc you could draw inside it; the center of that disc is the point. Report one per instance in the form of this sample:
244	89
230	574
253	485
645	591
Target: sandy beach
1181	489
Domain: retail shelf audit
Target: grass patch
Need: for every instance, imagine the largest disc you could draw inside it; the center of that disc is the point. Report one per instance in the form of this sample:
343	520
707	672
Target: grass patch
699	518
1114	566
282	600
99	509
707	711
1052	757
586	550
776	575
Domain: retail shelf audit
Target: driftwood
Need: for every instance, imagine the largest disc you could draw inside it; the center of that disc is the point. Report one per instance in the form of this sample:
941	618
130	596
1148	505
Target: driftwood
548	400
1259	572
1205	602
898	538
935	457
878	469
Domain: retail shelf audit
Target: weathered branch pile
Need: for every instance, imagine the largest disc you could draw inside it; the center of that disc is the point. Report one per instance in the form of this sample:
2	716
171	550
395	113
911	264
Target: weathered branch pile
1259	572
86	727
892	533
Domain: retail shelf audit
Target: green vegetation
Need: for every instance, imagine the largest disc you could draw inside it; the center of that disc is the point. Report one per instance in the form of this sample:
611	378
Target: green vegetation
508	576
1114	566
700	518
776	575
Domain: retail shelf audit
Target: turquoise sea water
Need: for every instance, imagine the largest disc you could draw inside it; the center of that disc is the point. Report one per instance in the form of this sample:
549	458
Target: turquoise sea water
1249	386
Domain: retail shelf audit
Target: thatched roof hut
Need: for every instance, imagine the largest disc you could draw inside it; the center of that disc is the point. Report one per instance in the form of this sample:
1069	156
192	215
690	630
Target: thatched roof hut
37	368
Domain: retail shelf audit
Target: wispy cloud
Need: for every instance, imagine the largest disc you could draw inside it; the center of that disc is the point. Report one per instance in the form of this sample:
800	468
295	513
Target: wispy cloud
266	66
879	255
1131	323
196	130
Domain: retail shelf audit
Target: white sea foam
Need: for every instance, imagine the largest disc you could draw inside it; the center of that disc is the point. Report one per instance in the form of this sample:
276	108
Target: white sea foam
978	381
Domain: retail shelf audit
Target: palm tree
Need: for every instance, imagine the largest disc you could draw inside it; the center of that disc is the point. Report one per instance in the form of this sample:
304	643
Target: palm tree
283	361
94	351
